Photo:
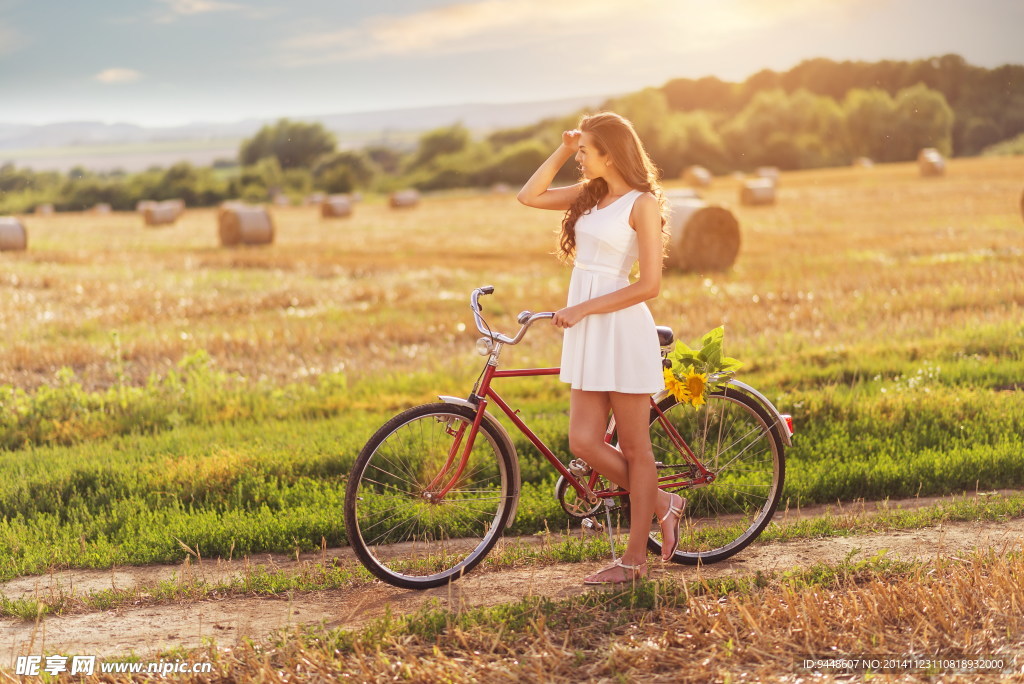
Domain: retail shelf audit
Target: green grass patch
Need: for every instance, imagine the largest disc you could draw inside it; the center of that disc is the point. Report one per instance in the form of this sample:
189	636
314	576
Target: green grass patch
226	466
545	549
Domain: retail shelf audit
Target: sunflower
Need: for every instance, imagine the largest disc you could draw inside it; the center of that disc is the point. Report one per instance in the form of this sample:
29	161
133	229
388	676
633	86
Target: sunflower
696	385
675	387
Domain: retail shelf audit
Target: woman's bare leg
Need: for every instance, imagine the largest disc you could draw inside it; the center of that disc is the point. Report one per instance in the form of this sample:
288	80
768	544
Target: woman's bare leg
632	468
632	415
588	420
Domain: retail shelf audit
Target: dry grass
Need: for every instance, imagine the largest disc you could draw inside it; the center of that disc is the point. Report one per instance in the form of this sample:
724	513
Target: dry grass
846	256
759	631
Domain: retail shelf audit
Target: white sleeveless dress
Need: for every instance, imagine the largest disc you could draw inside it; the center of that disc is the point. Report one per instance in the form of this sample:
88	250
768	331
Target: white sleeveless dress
617	351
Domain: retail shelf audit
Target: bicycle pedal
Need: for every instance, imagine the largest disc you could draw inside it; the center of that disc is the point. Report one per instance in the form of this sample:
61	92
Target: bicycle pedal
592	525
579	467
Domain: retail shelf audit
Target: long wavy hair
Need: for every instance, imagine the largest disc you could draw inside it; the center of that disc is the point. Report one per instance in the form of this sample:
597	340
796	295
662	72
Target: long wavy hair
613	135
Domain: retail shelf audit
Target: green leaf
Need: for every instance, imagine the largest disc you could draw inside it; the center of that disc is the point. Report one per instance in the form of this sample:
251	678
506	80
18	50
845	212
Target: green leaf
712	336
730	364
680	350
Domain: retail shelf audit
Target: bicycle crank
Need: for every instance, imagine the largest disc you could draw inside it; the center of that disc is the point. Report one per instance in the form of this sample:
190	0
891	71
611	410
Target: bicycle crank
572	503
578	507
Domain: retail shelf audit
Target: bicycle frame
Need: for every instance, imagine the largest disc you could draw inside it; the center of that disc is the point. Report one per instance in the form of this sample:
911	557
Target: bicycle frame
484	393
459	454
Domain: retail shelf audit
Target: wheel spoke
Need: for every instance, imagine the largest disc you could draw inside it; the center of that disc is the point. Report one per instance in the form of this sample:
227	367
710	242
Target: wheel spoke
402	535
728	436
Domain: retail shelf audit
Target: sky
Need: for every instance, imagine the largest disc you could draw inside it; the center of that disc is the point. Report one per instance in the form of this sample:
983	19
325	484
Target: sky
173	62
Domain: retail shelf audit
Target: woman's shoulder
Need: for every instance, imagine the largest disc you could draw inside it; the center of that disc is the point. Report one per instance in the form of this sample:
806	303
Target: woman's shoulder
645	201
646	208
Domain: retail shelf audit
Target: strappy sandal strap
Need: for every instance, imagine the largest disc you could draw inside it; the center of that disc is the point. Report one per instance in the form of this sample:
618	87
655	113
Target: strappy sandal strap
677	511
673	509
627	566
633	572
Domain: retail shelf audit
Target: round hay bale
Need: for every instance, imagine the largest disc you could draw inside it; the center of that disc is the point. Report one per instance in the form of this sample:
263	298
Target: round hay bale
863	163
930	162
404	199
336	206
102	208
757	191
672	194
316	198
160	214
240	224
177	204
142	205
701	237
697	176
44	210
13	237
229	205
770	172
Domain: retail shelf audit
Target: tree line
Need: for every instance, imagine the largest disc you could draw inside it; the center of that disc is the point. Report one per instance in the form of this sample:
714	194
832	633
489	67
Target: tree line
820	113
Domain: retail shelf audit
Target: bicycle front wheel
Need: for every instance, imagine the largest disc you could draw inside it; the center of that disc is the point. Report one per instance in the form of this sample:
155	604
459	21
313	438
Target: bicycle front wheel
735	439
398	522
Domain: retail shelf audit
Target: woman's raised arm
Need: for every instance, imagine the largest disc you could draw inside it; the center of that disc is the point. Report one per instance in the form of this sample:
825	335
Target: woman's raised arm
536	192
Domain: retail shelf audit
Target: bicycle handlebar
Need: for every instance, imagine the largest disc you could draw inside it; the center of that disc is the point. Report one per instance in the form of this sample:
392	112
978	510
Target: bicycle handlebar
525	319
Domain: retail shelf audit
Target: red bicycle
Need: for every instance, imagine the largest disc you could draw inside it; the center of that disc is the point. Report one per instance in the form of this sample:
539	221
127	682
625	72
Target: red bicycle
433	489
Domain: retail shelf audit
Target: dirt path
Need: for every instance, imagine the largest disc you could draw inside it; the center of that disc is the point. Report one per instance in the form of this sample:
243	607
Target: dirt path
145	630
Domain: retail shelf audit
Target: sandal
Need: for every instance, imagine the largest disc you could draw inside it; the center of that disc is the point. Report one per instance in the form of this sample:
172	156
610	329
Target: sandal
632	573
669	550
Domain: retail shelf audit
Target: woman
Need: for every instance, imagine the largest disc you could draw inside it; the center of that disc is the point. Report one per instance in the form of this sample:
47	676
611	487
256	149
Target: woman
610	353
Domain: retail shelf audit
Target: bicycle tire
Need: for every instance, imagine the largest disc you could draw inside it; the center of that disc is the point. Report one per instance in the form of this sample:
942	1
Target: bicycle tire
725	516
395	530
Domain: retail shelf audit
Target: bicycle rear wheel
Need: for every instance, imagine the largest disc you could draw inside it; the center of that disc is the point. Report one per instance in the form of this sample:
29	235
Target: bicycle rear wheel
735	439
396	523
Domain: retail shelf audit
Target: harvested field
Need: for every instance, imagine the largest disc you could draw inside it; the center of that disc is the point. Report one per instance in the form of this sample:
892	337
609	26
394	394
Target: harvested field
166	399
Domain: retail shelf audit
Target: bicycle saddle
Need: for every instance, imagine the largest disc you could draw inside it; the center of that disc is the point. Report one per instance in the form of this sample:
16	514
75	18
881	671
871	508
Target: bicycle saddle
665	335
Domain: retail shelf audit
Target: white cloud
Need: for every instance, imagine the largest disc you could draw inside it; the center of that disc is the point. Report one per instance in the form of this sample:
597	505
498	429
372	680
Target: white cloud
655	27
177	9
459	27
187	7
118	75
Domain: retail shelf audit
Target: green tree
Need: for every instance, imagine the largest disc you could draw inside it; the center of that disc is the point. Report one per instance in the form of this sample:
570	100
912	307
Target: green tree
344	172
439	142
297	182
746	135
870	123
818	125
978	134
258	182
701	142
293	144
514	164
387	159
801	130
924	120
708	93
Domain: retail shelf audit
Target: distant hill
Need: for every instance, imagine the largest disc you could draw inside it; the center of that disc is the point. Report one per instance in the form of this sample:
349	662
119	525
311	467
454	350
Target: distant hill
103	146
